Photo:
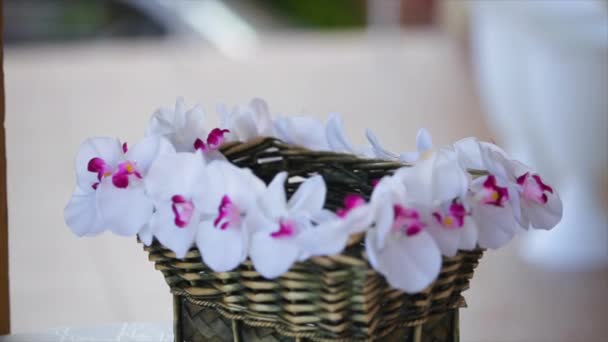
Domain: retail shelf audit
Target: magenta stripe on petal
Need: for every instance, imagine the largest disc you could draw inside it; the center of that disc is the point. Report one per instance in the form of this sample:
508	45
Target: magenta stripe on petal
351	201
182	209
495	195
228	214
125	147
286	229
178	199
543	186
199	145
413	230
522	179
216	138
99	166
407	220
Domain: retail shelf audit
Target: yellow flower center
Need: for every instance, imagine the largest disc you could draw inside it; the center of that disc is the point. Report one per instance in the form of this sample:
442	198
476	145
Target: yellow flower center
448	221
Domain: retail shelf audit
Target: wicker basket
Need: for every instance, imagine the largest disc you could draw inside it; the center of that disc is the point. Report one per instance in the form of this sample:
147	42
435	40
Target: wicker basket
331	298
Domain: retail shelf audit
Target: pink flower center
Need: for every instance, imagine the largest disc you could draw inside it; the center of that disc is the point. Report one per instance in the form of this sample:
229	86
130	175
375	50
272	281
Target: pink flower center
182	209
453	218
287	228
215	139
228	214
492	193
351	201
407	220
533	188
101	168
120	179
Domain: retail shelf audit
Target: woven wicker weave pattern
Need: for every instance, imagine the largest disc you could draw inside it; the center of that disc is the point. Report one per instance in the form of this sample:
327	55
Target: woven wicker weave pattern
331	298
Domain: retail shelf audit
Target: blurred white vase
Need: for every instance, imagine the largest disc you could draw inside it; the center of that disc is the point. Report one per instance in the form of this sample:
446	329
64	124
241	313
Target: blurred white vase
542	68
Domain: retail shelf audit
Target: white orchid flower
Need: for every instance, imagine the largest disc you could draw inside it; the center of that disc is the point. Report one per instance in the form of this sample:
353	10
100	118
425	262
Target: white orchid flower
180	125
491	198
534	202
249	122
174	183
438	186
286	231
424	143
186	130
302	131
109	192
399	247
231	194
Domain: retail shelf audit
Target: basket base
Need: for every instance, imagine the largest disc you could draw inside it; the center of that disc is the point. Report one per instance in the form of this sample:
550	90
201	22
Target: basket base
195	323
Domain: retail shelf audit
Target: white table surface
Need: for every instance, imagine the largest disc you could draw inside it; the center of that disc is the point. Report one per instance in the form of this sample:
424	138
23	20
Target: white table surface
118	332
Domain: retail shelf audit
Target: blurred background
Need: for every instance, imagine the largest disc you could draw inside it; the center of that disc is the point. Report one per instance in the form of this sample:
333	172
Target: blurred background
531	75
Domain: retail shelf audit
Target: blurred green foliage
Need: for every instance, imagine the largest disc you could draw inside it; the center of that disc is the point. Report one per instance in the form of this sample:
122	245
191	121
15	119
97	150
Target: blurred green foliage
321	14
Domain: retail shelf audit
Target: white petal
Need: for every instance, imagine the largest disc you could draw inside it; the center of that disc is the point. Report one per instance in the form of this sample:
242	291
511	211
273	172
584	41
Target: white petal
177	239
161	122
336	137
496	225
212	155
146	234
495	163
124	211
309	198
193	128
515	202
174	174
81	213
548	215
223	178
325	239
447	239
418	181
147	150
385	217
391	187
256	220
245	127
281	129
302	131
272	257
359	219
423	140
409	157
324	215
179	113
468	235
108	149
222	250
450	181
274	201
469	153
263	117
378	149
409	263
